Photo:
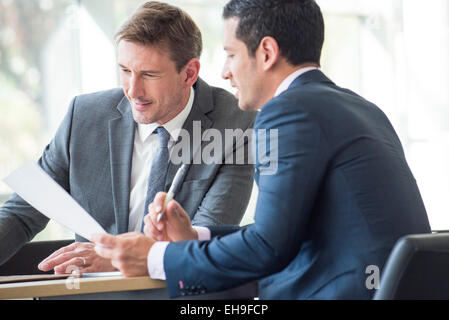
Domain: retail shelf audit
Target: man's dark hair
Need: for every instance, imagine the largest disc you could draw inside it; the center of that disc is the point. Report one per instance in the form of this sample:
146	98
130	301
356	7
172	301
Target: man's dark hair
297	26
160	24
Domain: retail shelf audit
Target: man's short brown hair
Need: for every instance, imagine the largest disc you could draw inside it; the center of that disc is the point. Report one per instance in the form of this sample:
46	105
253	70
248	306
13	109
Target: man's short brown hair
160	24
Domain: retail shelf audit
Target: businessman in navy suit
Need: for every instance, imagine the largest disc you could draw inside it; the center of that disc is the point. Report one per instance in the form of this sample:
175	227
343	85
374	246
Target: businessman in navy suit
341	196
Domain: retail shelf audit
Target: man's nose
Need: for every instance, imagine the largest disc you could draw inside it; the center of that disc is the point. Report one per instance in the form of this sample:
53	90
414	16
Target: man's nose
135	89
226	74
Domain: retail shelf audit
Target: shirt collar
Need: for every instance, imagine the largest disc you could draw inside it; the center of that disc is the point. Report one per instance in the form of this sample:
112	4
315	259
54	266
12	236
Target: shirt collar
173	126
288	81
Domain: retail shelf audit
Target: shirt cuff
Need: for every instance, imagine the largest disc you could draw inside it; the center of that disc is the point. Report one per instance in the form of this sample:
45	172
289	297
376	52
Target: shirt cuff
155	260
203	233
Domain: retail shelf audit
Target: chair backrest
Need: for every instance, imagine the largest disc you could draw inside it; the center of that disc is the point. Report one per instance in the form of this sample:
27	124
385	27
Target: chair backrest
418	268
25	261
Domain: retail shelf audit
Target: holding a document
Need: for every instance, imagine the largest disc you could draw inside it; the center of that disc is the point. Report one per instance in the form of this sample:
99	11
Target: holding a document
113	150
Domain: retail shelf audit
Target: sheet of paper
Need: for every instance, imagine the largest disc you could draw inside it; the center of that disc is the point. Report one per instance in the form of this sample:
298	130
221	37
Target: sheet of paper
102	274
37	188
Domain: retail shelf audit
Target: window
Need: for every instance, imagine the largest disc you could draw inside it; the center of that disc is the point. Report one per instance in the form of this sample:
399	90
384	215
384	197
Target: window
395	54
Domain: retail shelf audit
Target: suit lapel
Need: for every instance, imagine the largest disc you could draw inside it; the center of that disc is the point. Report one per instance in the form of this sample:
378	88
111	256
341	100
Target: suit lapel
202	104
121	144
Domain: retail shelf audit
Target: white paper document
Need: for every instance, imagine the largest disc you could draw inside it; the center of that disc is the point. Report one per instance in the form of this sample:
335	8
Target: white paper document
37	188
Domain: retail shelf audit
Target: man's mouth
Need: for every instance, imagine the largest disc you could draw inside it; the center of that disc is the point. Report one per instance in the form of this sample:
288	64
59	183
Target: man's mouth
141	105
236	92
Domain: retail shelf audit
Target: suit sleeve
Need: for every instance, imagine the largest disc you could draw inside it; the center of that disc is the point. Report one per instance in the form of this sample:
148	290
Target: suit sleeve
283	208
20	222
219	231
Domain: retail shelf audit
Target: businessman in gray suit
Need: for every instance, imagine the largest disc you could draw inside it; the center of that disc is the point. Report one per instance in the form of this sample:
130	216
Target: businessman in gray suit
109	141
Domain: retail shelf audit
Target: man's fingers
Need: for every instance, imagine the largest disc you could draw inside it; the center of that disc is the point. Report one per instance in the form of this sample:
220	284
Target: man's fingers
176	213
151	217
148	226
104	244
74	264
149	230
152	232
105	252
158	202
178	223
106	240
59	251
147	218
61	258
158	208
64	254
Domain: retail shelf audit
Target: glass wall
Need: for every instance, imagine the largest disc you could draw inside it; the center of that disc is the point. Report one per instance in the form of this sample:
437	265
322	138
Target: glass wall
393	52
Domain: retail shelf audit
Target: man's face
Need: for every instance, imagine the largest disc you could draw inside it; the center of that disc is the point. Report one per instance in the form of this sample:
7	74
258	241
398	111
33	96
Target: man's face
150	81
241	69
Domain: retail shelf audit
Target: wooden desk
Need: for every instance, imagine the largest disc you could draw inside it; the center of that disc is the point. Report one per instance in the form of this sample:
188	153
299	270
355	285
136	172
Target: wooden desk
76	286
110	288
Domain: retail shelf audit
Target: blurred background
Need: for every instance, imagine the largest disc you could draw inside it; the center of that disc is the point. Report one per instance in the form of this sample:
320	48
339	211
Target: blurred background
395	53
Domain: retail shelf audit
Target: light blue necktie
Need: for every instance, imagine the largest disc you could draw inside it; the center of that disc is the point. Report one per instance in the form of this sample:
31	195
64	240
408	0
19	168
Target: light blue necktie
159	167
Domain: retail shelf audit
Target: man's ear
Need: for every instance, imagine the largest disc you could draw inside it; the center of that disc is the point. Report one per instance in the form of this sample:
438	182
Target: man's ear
191	72
268	52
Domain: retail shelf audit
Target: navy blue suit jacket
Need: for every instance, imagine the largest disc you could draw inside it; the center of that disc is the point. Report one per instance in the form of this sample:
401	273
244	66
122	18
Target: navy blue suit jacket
342	195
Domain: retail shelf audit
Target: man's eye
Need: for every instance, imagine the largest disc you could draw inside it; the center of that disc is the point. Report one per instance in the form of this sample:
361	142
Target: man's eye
125	70
150	76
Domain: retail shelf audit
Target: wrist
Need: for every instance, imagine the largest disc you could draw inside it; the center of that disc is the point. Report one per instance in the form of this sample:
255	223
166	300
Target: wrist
202	233
195	234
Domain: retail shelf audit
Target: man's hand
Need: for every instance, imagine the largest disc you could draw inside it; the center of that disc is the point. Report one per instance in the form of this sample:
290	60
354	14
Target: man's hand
175	224
79	255
127	252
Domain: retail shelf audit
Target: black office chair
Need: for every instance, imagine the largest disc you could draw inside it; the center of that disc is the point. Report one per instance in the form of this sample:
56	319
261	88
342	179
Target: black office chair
417	269
25	261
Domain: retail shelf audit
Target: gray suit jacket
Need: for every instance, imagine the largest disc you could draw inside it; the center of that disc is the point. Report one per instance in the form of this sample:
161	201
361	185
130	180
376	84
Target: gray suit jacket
90	157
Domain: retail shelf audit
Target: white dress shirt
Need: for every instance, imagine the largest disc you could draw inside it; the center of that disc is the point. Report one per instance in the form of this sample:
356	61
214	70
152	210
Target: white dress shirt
155	259
288	81
146	146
